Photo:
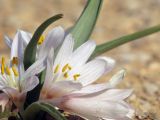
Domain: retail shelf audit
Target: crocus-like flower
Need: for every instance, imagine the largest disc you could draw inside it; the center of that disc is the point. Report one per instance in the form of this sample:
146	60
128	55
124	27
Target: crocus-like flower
15	82
53	39
69	84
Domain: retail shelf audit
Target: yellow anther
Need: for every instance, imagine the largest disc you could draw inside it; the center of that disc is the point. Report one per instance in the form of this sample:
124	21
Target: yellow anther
67	66
66	75
3	60
15	61
76	76
15	71
8	71
56	69
41	39
3	65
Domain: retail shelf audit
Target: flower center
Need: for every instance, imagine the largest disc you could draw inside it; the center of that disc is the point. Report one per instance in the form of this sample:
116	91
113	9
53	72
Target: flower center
11	73
6	70
67	66
65	69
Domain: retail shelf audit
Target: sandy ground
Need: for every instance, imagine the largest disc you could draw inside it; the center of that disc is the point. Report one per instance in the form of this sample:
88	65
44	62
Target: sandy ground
118	17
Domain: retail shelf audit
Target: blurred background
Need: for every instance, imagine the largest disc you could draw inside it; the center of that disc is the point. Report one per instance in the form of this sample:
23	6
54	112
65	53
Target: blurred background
141	58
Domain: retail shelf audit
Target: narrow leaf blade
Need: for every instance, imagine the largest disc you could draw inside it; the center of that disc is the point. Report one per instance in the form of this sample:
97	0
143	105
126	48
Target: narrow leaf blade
124	39
30	51
29	59
83	28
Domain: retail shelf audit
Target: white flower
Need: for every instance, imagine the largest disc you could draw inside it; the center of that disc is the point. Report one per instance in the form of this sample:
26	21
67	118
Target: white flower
53	39
15	82
69	84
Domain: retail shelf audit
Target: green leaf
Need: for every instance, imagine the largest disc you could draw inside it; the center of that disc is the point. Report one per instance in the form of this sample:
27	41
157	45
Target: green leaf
29	59
32	111
83	28
124	39
30	51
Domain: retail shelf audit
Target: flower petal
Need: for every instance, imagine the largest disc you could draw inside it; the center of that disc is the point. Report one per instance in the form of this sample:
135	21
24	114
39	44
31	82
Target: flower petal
101	109
15	95
65	51
3	100
91	89
49	71
3	81
82	53
26	37
89	117
29	84
35	68
94	88
17	47
21	69
115	94
117	78
62	88
91	71
110	63
53	39
11	92
8	41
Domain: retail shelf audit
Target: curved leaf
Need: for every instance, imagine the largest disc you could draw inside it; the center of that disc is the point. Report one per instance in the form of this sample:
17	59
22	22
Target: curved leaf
29	59
124	39
83	28
30	51
32	111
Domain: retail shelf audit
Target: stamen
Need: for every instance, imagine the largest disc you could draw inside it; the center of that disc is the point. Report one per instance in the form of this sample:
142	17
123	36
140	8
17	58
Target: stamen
66	75
15	61
56	69
41	40
8	71
15	71
76	76
3	65
67	66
